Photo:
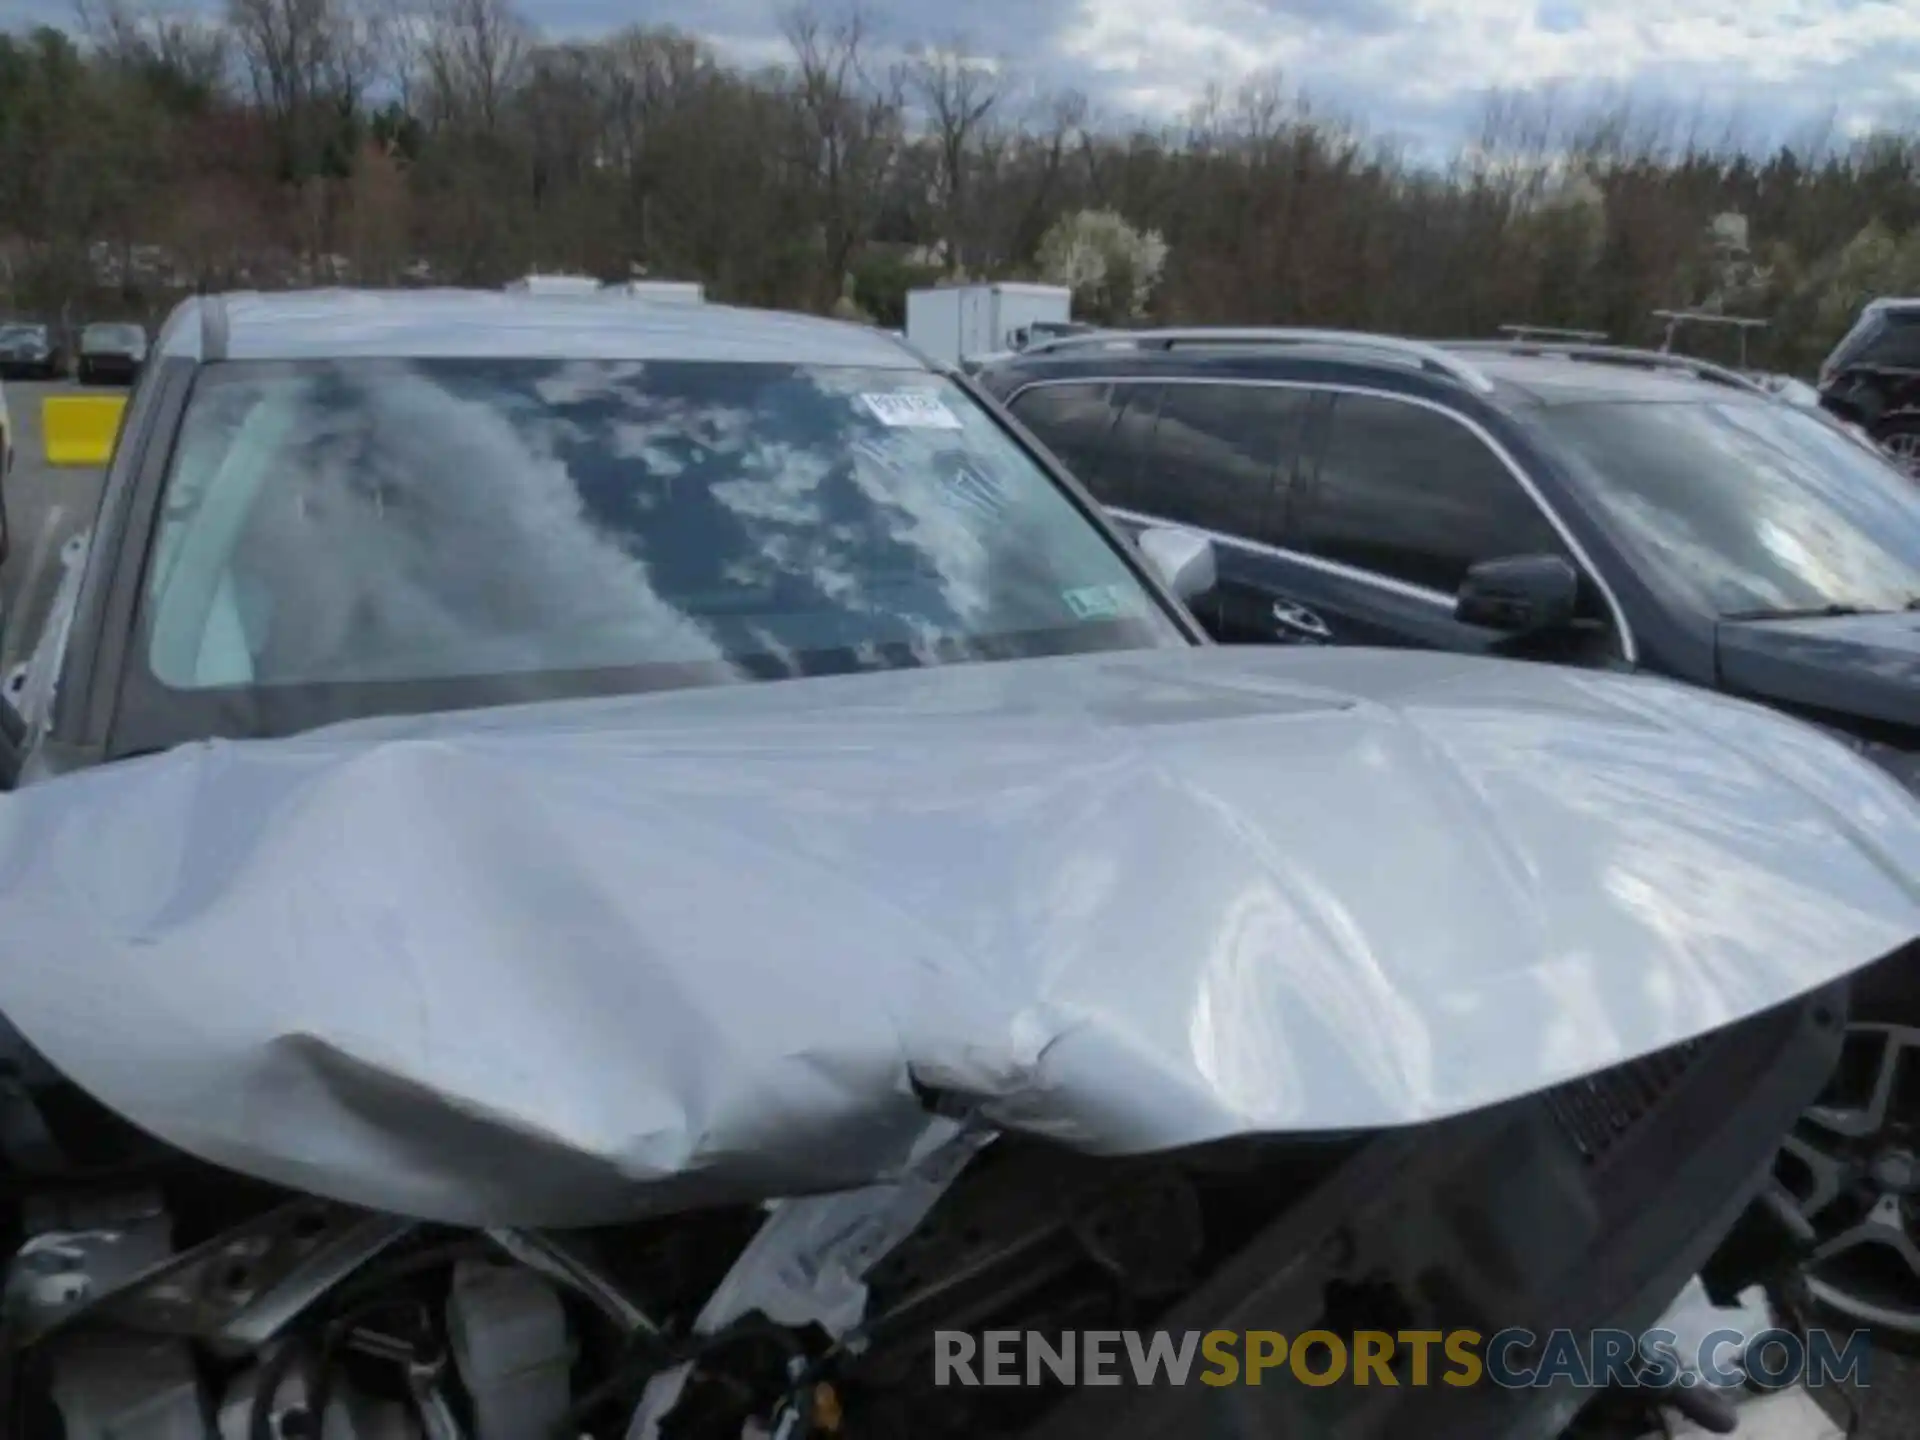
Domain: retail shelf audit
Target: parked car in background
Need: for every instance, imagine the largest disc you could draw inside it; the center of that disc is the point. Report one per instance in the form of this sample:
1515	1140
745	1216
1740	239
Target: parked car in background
111	352
1873	377
1604	508
1050	966
29	351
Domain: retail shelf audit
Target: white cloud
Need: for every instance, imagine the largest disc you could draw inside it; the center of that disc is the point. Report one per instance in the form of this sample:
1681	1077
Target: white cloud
1429	60
1417	68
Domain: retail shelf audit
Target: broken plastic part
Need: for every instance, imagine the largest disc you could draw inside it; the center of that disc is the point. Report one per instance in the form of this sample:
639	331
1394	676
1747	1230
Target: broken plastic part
508	1335
59	1274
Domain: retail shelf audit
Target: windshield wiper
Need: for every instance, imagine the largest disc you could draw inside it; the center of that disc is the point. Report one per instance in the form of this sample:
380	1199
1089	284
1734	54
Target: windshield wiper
1808	612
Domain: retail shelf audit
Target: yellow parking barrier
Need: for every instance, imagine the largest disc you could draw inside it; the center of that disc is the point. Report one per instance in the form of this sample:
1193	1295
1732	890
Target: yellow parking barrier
80	429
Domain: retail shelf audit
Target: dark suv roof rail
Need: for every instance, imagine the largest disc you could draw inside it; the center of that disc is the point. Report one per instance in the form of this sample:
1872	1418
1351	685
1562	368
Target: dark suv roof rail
1554	332
1429	357
1621	355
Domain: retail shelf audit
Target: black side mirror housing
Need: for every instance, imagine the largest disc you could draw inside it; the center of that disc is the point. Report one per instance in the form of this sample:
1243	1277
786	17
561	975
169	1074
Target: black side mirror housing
1520	595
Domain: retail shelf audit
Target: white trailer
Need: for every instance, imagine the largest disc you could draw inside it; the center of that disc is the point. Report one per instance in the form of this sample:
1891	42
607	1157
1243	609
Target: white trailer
952	323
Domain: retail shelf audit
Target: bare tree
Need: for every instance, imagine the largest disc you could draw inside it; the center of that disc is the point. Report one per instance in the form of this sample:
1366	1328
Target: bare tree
180	52
308	64
957	94
848	133
473	58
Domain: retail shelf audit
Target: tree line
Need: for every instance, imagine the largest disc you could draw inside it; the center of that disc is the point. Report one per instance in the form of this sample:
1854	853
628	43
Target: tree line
143	155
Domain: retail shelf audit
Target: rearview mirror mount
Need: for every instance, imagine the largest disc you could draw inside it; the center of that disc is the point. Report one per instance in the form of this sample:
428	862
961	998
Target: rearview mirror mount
1519	595
1183	561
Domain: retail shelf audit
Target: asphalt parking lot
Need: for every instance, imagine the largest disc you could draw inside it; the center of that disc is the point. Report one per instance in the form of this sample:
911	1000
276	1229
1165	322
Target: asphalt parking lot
44	508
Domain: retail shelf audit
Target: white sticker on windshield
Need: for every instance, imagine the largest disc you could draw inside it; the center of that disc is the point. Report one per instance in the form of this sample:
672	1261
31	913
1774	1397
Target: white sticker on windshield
911	410
1095	602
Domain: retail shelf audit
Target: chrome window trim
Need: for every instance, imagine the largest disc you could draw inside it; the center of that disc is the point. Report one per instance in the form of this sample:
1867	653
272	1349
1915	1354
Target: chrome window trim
1437	598
1629	647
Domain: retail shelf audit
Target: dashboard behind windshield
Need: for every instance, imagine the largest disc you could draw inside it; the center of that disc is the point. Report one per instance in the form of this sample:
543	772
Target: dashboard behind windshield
348	538
1748	505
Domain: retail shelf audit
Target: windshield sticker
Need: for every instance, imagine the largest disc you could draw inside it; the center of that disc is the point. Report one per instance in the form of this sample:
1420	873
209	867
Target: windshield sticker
911	410
974	490
1096	602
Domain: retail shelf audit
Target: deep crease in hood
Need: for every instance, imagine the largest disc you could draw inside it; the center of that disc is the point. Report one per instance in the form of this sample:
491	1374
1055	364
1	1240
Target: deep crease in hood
578	962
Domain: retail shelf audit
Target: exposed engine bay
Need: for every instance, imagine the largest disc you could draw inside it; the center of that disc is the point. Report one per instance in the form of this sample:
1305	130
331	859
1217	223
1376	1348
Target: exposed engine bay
153	1295
202	1305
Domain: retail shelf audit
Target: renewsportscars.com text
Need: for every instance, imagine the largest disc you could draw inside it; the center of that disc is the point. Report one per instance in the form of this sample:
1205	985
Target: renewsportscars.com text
1512	1359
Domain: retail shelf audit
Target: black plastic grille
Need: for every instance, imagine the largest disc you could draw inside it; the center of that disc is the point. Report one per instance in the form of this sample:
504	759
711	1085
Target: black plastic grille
1597	1111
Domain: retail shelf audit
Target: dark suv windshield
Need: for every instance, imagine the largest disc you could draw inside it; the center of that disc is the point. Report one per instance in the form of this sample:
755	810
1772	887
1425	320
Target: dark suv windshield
353	538
1748	505
112	335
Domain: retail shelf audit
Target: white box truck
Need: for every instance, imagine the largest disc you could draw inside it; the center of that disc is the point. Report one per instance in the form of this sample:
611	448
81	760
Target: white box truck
953	323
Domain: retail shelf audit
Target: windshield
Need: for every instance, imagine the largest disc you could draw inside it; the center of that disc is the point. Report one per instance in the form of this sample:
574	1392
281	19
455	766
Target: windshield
1749	506
355	538
112	335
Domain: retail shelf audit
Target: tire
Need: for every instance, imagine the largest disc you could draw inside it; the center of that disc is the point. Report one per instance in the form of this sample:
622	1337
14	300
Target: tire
1851	1166
1899	436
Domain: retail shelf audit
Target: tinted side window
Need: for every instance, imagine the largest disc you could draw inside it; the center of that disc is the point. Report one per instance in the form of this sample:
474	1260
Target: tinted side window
1408	492
1072	421
1216	451
1896	341
1128	443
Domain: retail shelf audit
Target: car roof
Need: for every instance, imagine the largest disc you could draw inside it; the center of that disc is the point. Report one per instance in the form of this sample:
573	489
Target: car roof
494	324
1529	378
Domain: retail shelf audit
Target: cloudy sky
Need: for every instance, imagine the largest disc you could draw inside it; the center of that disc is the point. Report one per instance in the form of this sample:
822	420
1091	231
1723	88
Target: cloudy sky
1418	69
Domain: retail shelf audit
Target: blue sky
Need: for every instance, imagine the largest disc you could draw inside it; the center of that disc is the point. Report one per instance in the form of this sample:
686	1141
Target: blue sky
1418	69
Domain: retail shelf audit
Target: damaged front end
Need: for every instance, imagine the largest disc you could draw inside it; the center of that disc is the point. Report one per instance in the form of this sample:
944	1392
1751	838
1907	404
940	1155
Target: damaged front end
152	1295
702	1066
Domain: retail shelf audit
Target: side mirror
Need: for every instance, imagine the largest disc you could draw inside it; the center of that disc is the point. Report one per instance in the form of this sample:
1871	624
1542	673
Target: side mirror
1523	595
1183	561
80	429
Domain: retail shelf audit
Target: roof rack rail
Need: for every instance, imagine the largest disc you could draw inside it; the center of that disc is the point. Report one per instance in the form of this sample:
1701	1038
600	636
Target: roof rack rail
1429	357
1742	325
1620	355
1554	332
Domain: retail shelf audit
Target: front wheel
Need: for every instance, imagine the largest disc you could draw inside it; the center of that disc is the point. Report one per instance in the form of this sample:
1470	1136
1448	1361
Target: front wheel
1851	1169
1899	436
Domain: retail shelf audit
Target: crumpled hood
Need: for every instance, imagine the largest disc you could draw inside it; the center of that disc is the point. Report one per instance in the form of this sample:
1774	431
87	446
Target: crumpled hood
572	963
1862	665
